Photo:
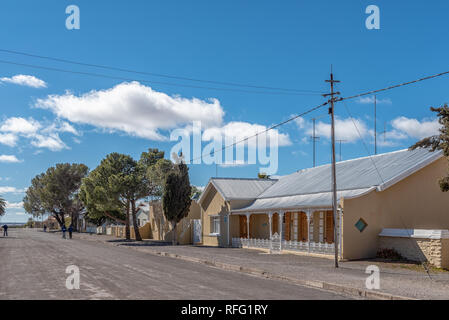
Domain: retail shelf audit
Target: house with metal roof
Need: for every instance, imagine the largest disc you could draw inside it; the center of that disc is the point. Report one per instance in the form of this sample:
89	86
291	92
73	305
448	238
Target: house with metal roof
378	198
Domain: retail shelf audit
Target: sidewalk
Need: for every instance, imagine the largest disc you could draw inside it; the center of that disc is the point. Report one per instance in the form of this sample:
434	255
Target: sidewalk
395	280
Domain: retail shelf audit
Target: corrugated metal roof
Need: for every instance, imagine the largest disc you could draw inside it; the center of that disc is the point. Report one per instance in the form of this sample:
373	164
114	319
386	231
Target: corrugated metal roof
312	187
351	174
234	189
315	200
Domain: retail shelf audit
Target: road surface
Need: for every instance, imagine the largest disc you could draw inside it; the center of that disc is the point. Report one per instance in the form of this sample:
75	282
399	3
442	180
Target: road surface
33	266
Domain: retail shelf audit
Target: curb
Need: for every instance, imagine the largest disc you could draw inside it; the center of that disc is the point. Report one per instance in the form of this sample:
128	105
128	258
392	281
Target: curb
337	288
308	283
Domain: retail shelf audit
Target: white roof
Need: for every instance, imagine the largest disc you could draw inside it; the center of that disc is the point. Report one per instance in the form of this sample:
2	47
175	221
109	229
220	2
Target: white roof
238	188
315	200
312	187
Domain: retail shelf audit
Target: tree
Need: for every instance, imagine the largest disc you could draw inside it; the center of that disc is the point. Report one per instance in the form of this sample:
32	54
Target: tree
114	187
438	142
196	192
157	174
2	206
176	198
262	175
55	191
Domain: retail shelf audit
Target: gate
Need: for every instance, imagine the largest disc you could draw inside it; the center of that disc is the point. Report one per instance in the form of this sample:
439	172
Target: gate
197	231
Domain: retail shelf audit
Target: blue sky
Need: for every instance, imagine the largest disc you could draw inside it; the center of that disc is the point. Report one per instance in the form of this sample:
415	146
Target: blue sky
49	117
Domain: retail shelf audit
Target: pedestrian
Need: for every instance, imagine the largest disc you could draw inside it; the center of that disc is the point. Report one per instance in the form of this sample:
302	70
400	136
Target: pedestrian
5	230
45	228
63	231
70	231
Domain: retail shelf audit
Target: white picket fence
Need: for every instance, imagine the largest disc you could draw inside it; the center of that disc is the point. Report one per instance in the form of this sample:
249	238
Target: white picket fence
274	245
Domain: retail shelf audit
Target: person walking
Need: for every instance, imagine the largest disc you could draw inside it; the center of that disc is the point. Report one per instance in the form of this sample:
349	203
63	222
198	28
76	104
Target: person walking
5	230
45	228
70	231
63	229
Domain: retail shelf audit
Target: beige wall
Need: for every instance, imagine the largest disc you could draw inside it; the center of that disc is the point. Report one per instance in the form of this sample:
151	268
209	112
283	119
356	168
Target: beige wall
414	203
213	204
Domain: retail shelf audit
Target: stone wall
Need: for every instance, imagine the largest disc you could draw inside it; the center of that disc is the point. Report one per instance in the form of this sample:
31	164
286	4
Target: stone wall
435	251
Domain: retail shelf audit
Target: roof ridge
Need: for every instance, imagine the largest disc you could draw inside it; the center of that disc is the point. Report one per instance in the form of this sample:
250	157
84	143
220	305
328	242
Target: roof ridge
233	178
354	159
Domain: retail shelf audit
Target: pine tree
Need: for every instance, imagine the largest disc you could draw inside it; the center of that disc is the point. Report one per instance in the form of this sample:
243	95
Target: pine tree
176	198
438	142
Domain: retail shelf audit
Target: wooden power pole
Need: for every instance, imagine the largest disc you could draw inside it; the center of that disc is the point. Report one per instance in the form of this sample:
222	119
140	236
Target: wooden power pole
334	171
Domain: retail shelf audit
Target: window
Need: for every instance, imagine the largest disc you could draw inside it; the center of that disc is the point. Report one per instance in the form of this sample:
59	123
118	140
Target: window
361	225
215	225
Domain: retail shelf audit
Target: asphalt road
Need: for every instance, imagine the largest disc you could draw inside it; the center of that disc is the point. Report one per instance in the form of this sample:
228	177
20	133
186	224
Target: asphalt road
33	266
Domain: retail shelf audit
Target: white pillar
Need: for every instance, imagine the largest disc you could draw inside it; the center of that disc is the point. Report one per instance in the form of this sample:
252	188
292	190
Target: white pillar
248	215
308	213
270	216
281	216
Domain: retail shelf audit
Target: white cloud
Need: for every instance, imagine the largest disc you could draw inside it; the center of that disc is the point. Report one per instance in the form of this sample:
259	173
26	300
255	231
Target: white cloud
9	158
235	163
25	80
345	129
241	130
133	108
11	190
14	205
20	125
414	128
9	139
52	142
370	100
41	136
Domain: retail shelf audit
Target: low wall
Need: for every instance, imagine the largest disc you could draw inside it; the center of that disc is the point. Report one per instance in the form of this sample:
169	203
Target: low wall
119	231
418	245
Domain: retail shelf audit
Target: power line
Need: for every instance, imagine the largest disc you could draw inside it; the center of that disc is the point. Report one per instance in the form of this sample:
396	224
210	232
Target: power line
363	141
264	131
394	86
156	74
100	75
335	100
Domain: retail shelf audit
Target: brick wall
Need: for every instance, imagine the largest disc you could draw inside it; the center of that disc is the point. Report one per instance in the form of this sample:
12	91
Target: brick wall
435	251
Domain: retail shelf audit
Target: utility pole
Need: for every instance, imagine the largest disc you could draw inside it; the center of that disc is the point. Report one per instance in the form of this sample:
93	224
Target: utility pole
375	124
334	171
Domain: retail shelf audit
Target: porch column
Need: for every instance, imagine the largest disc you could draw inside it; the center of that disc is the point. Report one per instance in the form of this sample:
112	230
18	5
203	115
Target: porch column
295	226
321	226
248	215
309	233
281	216
270	216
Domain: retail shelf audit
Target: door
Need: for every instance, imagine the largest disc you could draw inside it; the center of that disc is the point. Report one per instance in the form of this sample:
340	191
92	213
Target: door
243	227
329	234
197	231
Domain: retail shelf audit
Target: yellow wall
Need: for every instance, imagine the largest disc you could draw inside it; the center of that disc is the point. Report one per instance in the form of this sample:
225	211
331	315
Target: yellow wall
414	203
213	204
